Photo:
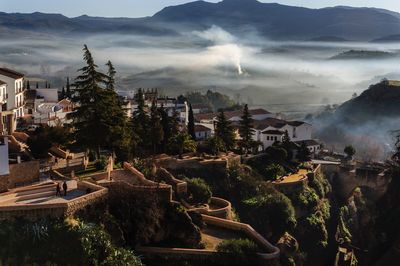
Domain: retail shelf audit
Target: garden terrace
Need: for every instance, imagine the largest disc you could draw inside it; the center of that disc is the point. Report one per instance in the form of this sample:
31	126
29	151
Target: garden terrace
40	200
216	231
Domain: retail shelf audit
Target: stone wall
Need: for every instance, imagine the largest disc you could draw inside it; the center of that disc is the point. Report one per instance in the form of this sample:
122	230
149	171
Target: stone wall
269	256
23	174
55	210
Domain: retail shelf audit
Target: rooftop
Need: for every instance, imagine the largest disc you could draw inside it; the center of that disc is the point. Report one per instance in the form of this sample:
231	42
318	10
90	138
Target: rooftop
201	128
230	114
273	132
11	73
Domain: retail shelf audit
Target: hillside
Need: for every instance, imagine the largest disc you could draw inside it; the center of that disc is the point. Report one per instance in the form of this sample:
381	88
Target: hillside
381	100
237	16
363	54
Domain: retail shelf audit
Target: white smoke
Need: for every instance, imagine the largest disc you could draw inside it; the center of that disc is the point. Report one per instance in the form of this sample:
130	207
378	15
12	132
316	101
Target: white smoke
225	48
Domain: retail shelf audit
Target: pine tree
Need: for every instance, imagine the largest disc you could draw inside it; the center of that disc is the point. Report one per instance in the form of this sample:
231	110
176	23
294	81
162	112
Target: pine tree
68	93
246	129
140	123
93	119
37	85
62	94
191	130
45	84
110	76
174	123
28	86
157	133
166	125
224	131
287	145
304	153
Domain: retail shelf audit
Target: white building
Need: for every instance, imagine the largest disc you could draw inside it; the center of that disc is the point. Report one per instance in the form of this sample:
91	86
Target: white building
15	91
4	167
202	132
270	130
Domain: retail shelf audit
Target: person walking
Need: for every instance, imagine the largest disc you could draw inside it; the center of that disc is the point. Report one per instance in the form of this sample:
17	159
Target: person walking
65	187
58	190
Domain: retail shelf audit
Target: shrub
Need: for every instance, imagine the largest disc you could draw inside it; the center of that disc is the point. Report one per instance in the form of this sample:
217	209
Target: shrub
308	199
273	171
271	212
198	191
101	163
237	246
276	153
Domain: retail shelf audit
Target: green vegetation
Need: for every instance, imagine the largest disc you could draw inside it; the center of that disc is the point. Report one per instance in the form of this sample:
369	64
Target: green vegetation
238	246
274	171
214	100
45	137
224	131
246	130
180	143
101	163
198	191
304	154
190	126
271	213
98	109
350	151
53	242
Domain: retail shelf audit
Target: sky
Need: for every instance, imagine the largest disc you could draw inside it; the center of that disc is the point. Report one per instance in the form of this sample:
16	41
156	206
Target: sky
141	8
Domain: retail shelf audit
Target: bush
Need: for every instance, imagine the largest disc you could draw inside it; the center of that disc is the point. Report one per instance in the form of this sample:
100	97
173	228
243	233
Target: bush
101	163
270	212
308	199
237	246
274	171
198	191
276	153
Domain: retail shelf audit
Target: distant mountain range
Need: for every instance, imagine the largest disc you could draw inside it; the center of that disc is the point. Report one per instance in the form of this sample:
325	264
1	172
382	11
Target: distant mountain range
237	16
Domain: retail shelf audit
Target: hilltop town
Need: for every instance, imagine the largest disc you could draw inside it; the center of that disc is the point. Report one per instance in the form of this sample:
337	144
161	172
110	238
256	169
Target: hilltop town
158	180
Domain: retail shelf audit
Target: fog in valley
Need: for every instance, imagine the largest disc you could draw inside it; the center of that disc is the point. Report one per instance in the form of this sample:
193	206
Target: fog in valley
295	78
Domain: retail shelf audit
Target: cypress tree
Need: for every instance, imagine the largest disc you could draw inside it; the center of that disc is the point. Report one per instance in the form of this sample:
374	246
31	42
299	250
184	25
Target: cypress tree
166	125
157	133
37	85
246	128
140	123
110	76
45	85
62	94
68	93
224	131
191	130
28	86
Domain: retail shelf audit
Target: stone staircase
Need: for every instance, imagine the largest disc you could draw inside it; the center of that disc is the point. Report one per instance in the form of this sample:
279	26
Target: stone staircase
34	192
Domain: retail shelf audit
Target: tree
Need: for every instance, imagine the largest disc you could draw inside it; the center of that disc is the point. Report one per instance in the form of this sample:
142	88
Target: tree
198	191
68	92
287	145
156	129
37	85
62	94
215	145
224	131
28	85
180	143
141	124
274	171
304	154
350	151
191	130
270	212
110	82
98	110
246	129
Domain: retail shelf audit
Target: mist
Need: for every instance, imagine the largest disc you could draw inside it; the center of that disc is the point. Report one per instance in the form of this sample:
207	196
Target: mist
282	75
